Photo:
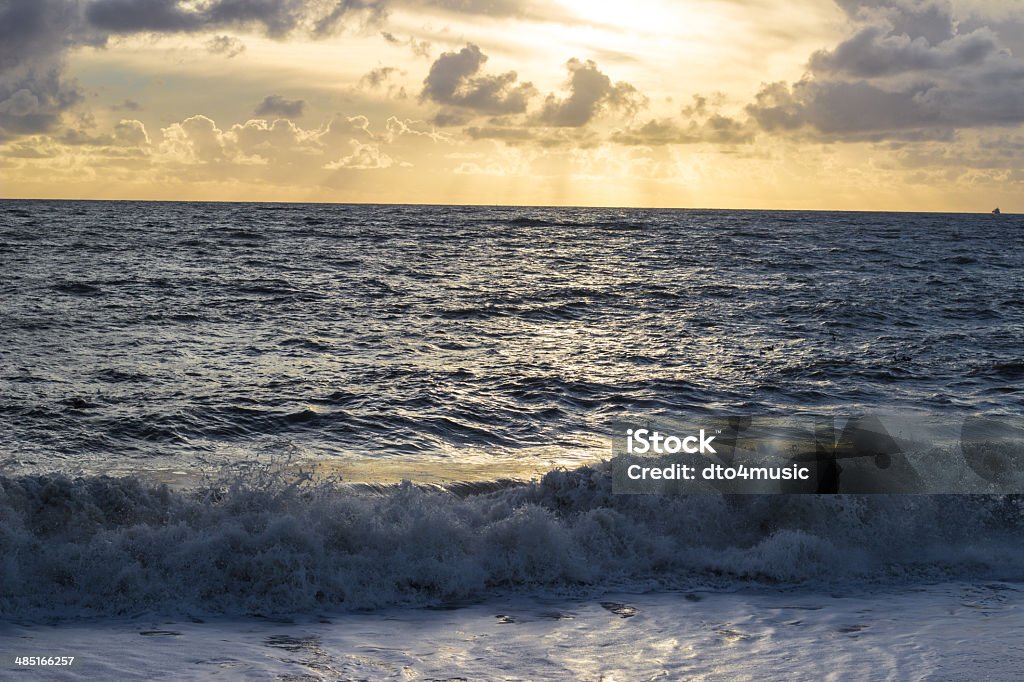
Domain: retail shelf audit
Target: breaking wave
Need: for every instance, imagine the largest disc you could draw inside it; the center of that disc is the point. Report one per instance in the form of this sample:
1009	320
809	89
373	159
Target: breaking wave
259	541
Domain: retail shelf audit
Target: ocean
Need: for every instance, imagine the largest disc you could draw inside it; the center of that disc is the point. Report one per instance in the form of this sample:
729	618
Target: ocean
358	442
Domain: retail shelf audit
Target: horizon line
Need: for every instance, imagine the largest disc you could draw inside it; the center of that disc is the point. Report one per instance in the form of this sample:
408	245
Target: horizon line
483	205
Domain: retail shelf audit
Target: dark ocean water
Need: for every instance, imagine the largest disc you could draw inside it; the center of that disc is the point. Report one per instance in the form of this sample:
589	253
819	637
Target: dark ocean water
144	335
149	330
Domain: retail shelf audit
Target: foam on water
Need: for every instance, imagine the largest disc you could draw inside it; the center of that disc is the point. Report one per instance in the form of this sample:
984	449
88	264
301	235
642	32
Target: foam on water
260	542
748	635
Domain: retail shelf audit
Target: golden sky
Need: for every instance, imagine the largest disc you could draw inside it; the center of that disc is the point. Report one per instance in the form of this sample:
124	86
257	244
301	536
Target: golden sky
826	104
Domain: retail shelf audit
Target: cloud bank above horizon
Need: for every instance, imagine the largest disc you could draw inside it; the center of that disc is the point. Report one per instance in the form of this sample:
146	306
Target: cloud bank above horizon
879	104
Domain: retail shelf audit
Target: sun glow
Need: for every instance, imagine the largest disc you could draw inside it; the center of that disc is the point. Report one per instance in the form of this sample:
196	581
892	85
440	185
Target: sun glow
643	16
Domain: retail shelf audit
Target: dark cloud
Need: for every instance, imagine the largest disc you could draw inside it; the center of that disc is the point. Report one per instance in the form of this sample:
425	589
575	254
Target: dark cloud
40	29
702	106
381	78
32	100
874	51
489	8
453	81
507	134
560	121
228	46
276	18
36	34
852	111
275	105
590	92
701	122
907	73
716	129
448	118
1008	25
655	132
33	37
127	133
377	77
988	151
930	20
420	48
127	105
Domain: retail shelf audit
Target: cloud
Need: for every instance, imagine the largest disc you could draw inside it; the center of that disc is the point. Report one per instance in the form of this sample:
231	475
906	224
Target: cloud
508	134
40	29
35	36
127	133
931	20
228	46
905	72
346	127
380	78
198	140
453	81
561	122
276	18
717	129
590	93
363	157
395	128
875	51
420	48
32	100
490	8
275	105
127	105
131	133
377	77
449	118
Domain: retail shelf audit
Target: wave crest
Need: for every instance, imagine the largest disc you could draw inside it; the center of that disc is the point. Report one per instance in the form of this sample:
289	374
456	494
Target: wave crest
260	541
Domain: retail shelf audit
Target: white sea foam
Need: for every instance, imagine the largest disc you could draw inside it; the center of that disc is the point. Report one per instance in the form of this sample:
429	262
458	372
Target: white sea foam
259	542
879	634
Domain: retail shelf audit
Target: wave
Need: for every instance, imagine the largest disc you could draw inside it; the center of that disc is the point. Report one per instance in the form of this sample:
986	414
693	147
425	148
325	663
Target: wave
256	541
77	288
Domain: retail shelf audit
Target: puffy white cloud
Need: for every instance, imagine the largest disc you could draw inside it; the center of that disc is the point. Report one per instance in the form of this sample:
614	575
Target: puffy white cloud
131	133
197	138
280	142
363	157
394	128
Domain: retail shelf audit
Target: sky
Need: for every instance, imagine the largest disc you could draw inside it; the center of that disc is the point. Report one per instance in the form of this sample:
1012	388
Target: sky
911	105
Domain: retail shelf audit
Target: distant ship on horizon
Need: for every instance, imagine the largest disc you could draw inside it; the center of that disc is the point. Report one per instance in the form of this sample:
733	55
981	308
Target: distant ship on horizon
996	211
